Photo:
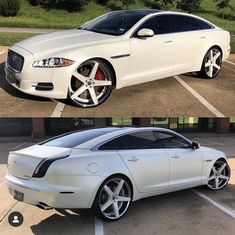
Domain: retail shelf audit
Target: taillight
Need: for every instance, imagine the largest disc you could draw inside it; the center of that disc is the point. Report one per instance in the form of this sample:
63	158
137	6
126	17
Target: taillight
43	166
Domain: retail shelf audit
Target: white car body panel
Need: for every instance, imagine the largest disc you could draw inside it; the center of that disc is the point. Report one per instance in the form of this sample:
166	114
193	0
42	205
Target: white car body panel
73	182
151	59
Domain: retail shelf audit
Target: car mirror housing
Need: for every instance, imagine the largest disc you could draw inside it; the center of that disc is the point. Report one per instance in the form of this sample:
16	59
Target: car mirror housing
195	145
145	33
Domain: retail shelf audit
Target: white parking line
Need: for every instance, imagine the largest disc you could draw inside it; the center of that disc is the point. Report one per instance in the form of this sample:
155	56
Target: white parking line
99	227
200	98
2	52
217	205
2	184
229	62
58	111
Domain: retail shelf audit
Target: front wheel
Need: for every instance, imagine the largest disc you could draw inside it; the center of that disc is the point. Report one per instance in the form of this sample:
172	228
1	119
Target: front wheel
91	84
113	199
212	63
219	176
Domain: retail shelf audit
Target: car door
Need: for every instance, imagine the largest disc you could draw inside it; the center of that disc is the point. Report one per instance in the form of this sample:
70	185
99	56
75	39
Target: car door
152	57
185	163
188	39
147	162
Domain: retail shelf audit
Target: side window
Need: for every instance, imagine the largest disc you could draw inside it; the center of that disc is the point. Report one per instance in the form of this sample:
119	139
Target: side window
184	23
169	140
141	140
203	24
113	144
159	25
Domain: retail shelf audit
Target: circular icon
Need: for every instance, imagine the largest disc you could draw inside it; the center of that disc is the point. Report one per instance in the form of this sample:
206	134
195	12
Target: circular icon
15	219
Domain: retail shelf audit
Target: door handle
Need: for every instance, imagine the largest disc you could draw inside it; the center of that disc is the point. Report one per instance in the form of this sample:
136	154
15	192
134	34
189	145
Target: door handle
203	37
175	156
170	41
133	159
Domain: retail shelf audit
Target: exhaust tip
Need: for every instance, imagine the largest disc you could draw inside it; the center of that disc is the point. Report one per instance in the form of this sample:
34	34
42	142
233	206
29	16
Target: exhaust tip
43	206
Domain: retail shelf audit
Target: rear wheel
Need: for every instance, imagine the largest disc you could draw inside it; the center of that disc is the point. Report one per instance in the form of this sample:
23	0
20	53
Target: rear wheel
113	199
219	176
91	84
212	63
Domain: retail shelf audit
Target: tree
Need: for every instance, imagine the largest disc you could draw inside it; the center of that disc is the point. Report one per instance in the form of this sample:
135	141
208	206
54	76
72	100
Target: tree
158	4
127	3
191	6
9	7
222	5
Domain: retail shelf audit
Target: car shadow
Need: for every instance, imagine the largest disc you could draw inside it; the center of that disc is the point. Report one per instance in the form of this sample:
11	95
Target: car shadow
66	222
13	91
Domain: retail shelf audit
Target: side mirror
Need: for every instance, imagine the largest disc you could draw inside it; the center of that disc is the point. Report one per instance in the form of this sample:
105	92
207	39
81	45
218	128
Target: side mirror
145	33
195	145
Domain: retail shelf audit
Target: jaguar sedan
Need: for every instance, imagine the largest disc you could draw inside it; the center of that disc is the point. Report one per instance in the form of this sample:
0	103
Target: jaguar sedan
108	169
116	50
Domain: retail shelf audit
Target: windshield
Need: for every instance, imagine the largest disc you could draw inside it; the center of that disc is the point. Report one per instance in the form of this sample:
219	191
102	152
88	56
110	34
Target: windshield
115	23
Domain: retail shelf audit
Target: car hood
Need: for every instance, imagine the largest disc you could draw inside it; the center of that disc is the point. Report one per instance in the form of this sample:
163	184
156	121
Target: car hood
62	40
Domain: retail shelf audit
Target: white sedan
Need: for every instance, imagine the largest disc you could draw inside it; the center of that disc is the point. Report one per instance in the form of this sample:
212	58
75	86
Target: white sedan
107	169
116	50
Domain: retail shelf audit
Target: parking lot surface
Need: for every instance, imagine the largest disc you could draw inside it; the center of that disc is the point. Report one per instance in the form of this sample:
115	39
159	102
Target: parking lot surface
185	95
182	212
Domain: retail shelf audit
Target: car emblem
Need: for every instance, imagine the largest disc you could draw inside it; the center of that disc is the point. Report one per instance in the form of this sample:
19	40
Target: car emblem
14	58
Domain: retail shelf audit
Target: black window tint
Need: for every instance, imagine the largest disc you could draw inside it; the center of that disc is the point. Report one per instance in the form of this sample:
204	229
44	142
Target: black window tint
159	25
113	144
140	140
204	25
169	140
184	23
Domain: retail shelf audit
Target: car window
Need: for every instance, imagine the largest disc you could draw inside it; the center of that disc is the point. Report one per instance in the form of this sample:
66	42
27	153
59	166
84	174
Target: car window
140	140
204	25
113	144
170	140
184	23
159	25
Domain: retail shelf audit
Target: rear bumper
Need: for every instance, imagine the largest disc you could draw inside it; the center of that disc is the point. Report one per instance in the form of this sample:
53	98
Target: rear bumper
55	196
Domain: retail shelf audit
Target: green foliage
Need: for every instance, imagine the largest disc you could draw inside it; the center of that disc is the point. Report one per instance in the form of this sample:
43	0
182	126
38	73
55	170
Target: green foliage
127	3
9	7
222	5
158	4
192	6
102	2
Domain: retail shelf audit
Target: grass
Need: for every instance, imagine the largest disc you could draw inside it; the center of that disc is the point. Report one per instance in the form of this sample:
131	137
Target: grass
43	18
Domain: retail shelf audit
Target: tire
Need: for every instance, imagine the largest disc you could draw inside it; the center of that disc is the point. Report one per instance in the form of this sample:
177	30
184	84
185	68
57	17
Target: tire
91	84
212	63
219	175
115	197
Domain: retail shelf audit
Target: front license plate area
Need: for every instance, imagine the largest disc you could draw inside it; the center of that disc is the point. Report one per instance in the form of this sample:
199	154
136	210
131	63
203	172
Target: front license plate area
18	196
11	76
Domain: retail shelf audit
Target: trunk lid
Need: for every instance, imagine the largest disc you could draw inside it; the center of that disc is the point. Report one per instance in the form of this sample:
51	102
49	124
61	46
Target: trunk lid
23	163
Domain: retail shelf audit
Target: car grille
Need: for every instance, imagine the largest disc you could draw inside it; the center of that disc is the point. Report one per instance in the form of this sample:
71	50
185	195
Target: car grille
15	60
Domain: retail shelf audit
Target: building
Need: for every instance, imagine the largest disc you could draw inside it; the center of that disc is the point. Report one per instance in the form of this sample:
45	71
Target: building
40	127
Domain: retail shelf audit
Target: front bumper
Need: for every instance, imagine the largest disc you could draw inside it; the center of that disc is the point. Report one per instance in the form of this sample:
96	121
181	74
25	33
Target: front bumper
29	79
55	196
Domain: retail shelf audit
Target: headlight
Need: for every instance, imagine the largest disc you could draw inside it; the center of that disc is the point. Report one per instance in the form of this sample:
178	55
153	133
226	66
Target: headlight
52	63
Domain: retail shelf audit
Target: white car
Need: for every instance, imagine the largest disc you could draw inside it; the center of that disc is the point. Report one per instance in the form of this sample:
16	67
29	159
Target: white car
107	169
116	50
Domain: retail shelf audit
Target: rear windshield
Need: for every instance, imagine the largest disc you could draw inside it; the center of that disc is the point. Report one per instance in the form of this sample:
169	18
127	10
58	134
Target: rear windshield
71	140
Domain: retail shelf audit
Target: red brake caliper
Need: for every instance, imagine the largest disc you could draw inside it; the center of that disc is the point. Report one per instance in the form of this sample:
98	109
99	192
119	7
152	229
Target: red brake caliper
99	75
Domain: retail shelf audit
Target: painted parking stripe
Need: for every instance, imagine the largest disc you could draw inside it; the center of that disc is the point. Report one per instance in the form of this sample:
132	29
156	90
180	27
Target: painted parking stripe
99	227
203	101
2	52
2	184
229	62
58	111
228	211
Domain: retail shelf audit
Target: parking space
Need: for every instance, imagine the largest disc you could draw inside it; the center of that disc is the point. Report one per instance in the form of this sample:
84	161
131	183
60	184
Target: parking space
181	212
166	97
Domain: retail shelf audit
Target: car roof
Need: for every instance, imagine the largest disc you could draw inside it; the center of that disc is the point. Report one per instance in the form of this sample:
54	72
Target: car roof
139	11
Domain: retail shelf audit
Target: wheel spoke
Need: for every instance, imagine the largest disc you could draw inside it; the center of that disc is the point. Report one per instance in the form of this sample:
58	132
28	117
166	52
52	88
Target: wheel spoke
207	64
93	96
79	92
217	55
223	177
94	71
108	191
214	170
211	177
106	205
211	54
124	199
216	183
119	187
217	66
80	77
211	71
222	167
116	209
102	83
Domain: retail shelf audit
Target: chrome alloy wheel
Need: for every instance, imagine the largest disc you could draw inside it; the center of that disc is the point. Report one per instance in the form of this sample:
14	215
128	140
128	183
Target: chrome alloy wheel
219	176
91	84
213	63
115	198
